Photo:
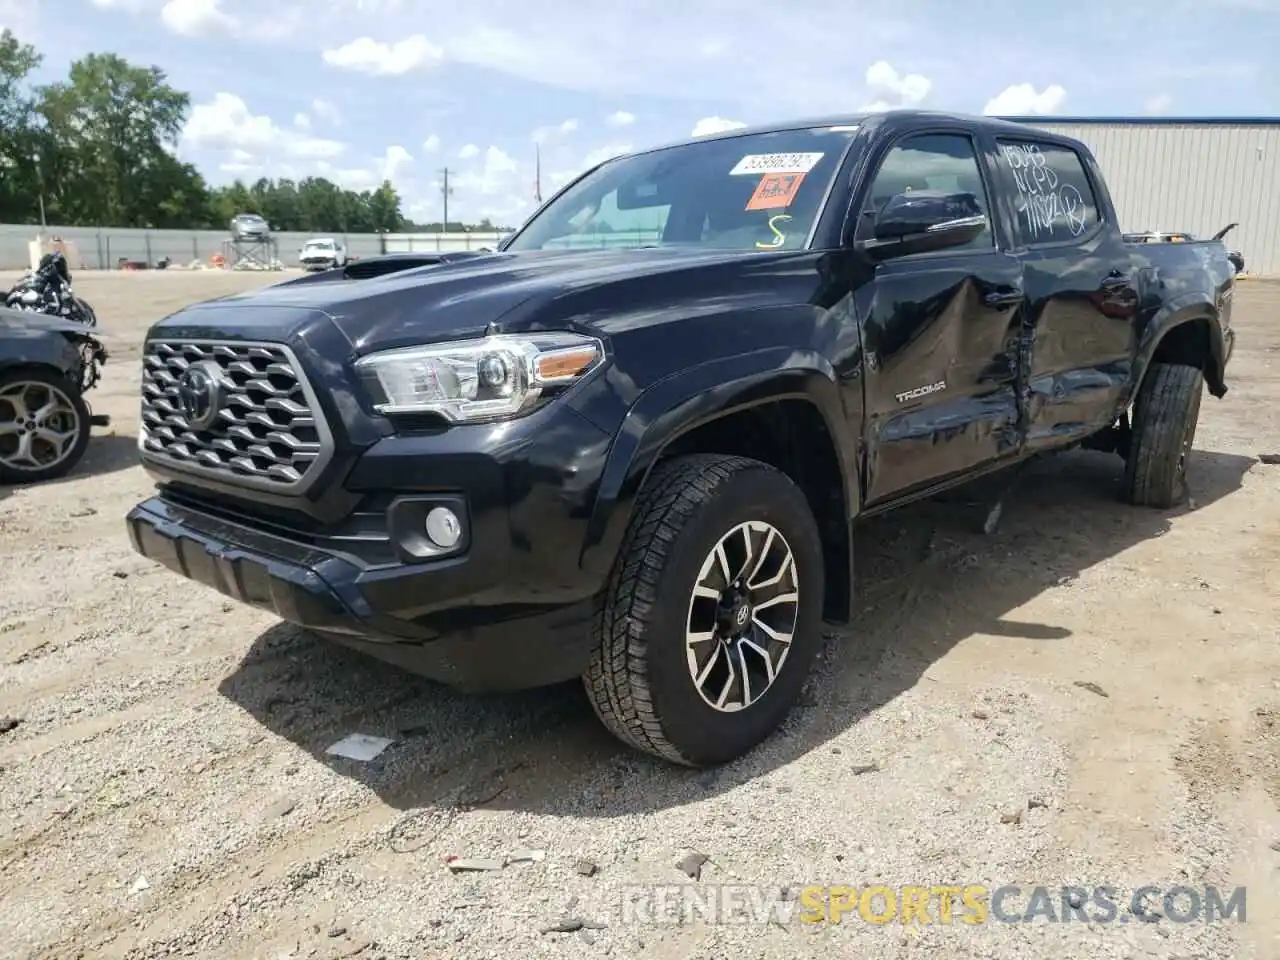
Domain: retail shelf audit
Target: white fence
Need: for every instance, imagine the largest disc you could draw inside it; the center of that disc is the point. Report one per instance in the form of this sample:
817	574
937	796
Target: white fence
92	248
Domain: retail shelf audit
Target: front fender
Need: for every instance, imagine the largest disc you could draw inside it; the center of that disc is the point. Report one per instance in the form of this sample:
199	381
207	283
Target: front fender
695	396
38	346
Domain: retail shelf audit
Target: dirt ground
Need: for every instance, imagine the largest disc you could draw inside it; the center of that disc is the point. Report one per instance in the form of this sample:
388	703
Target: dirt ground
1088	696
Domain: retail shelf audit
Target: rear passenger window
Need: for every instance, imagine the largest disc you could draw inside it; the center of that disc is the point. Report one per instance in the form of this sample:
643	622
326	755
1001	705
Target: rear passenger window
1055	201
932	161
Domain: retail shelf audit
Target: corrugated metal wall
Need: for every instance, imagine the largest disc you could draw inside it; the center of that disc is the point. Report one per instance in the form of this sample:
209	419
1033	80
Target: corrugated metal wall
1193	177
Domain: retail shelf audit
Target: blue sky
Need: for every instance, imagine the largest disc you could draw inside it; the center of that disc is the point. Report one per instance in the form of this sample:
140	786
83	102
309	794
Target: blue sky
355	89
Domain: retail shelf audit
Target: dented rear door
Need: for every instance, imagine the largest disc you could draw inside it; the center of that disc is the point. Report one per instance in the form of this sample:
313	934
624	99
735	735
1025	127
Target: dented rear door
1081	280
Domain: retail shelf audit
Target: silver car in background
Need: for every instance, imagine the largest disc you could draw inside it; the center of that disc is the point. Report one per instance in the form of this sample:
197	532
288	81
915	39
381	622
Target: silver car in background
249	226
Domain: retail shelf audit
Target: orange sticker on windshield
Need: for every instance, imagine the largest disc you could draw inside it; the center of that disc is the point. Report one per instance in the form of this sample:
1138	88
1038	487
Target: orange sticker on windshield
775	191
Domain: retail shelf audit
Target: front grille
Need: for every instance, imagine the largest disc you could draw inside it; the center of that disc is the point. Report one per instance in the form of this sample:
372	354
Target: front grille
266	431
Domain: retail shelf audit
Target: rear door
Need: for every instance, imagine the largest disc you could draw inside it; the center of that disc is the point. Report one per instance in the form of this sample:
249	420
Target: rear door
939	332
1081	288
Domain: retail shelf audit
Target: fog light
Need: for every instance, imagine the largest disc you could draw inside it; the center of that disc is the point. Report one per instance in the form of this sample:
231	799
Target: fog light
443	527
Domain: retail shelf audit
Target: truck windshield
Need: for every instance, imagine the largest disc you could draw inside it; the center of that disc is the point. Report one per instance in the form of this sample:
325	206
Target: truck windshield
754	192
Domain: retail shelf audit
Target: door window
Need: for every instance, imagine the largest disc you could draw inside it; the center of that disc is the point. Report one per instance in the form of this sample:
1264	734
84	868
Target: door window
932	161
1054	199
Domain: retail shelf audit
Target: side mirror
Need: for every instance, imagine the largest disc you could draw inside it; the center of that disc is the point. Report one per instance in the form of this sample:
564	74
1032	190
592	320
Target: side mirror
922	221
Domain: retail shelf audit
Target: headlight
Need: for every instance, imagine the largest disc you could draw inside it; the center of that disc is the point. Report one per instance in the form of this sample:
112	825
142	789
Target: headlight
465	380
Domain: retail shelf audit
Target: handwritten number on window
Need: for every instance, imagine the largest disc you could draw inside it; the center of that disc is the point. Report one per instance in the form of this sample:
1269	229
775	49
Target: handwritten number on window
1049	209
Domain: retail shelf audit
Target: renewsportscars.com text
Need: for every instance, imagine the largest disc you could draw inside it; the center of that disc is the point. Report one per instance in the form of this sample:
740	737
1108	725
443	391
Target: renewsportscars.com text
941	904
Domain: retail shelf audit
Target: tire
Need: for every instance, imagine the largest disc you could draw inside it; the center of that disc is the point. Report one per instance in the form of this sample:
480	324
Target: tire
39	382
641	679
1164	426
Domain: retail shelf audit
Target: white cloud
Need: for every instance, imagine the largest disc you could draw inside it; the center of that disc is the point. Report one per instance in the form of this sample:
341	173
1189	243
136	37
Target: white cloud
545	134
1022	100
301	121
395	158
1158	104
620	119
392	165
326	111
893	90
367	55
193	18
468	152
497	176
226	123
607	152
709	125
431	144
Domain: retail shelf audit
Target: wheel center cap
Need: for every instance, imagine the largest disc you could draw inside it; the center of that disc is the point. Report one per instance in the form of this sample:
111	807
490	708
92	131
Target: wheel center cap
735	613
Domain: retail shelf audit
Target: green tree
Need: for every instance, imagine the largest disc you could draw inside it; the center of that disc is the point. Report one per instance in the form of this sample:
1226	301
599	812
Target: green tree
100	148
18	135
110	130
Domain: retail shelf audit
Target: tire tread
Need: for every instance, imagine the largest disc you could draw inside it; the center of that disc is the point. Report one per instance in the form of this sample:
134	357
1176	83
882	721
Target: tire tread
1168	398
617	679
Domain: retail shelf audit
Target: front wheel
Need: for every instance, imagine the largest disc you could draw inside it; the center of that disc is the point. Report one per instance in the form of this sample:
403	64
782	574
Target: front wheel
1165	415
44	426
712	616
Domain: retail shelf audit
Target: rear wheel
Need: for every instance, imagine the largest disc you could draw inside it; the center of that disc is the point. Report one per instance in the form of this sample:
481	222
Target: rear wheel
44	426
712	616
1165	415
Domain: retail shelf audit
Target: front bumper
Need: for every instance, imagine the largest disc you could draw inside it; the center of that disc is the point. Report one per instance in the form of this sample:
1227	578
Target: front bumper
468	642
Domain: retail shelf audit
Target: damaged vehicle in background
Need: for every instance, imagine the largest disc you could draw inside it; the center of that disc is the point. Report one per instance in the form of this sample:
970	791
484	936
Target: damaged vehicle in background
47	364
1155	236
322	253
630	446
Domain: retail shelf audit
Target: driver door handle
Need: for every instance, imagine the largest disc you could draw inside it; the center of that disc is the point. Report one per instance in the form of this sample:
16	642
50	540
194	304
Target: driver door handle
1006	297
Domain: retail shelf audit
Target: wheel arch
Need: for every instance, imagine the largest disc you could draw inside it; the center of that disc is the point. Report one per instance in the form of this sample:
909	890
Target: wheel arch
780	406
1187	332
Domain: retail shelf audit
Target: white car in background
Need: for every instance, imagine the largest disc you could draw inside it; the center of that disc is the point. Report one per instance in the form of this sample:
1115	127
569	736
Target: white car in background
322	253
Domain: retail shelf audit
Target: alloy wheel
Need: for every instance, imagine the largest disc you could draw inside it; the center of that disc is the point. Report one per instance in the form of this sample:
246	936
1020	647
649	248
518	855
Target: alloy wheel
38	426
742	616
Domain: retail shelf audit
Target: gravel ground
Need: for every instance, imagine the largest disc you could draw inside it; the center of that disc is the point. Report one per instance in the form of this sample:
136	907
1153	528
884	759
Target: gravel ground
1087	696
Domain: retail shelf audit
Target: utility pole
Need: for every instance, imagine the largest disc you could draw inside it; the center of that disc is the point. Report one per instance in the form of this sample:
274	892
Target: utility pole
445	190
537	173
44	227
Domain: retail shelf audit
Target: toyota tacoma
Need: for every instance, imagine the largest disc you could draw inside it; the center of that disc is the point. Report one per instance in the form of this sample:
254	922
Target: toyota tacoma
630	445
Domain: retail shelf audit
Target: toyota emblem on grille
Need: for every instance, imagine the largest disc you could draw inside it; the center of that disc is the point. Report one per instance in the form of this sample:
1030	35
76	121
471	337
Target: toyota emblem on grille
200	394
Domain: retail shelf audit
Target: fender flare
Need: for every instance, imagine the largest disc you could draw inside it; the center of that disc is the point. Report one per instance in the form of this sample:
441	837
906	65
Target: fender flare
1177	312
39	347
691	398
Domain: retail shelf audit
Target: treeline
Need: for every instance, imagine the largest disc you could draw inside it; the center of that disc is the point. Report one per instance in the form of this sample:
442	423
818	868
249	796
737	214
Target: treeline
98	149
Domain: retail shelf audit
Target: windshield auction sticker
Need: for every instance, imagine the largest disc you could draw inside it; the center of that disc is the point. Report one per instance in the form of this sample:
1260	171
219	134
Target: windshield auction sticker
775	191
758	163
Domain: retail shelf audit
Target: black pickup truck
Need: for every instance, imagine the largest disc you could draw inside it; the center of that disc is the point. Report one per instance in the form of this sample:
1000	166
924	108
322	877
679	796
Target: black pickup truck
629	445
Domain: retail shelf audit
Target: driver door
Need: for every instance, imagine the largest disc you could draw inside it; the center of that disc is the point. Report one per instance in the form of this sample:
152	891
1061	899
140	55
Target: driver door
940	333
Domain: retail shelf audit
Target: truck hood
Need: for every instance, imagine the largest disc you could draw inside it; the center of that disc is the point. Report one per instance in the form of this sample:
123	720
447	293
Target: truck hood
463	298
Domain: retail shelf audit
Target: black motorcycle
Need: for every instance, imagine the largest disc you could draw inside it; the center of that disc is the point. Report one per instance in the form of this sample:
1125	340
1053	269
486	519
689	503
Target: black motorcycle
47	290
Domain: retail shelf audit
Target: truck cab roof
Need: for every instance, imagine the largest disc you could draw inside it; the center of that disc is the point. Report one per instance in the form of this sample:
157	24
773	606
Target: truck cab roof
894	120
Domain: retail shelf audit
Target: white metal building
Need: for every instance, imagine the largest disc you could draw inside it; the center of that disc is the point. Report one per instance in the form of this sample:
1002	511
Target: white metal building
1191	174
